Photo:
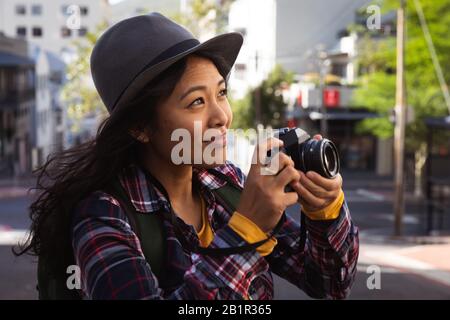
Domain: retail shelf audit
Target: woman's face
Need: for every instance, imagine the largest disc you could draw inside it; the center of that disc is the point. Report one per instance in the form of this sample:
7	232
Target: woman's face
196	111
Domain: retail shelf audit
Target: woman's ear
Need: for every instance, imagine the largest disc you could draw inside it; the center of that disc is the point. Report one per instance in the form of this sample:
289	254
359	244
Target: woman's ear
140	135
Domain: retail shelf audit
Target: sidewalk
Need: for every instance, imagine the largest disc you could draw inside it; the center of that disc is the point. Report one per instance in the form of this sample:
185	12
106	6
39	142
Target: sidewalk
371	198
430	261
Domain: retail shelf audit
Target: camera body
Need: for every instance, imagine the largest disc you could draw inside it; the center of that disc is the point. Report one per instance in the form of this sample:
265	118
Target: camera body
310	154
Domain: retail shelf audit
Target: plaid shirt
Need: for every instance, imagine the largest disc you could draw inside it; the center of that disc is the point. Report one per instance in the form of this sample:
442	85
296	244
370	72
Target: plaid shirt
113	266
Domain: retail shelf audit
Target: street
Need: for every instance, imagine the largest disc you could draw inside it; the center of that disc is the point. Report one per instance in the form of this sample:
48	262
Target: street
411	267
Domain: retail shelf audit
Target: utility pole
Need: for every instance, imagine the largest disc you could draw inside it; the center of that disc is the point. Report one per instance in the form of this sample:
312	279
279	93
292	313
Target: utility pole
324	63
400	119
258	113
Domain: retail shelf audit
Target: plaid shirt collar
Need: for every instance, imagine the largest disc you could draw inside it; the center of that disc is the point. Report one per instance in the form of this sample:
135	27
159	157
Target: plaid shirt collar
146	197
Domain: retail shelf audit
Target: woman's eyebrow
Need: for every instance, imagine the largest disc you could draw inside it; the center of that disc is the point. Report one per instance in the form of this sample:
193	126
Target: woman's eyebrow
195	88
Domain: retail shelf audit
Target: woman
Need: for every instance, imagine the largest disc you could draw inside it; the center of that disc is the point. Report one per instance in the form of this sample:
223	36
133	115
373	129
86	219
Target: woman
154	78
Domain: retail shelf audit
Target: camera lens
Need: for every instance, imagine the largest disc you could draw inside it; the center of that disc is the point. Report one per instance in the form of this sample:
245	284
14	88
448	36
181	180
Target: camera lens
309	154
330	159
320	156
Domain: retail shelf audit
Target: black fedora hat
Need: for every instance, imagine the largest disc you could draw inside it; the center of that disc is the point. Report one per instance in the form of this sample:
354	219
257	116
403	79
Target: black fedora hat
136	50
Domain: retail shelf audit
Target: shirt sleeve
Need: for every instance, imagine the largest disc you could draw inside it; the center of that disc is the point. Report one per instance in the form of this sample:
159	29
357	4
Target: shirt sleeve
113	266
251	233
327	266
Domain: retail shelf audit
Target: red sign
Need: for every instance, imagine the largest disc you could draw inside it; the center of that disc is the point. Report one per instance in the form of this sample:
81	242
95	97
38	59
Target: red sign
291	123
331	97
299	100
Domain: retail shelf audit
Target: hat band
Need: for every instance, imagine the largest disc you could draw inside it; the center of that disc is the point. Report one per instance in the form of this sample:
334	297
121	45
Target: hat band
173	51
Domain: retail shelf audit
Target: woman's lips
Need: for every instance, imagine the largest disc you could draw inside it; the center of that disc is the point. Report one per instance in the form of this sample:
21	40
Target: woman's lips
220	141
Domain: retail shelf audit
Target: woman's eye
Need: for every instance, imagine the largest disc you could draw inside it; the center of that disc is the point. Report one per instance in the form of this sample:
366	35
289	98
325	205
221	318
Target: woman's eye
196	102
223	92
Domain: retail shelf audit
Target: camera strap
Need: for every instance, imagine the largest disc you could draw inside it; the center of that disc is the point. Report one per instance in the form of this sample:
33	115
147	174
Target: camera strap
213	251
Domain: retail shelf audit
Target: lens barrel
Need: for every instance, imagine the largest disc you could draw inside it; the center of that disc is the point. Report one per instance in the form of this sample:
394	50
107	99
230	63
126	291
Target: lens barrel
320	156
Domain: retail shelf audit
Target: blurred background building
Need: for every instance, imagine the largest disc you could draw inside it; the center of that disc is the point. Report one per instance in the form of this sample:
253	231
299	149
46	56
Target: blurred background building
48	23
17	105
315	52
47	30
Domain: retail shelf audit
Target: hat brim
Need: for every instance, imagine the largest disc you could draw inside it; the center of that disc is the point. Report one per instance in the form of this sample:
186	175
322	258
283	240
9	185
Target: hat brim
226	45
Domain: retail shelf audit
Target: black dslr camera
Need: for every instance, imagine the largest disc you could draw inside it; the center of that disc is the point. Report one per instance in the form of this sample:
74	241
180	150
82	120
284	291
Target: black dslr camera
310	154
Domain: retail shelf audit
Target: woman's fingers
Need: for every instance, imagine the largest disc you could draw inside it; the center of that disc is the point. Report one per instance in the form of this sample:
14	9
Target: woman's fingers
287	175
307	197
276	162
314	188
263	148
290	198
325	183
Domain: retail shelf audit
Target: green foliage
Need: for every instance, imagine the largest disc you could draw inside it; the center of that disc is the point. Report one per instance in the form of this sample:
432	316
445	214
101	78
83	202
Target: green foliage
243	113
376	93
79	94
205	14
377	63
271	101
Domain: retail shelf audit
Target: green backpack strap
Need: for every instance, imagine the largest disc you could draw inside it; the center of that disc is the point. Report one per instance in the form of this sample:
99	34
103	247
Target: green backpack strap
148	228
229	194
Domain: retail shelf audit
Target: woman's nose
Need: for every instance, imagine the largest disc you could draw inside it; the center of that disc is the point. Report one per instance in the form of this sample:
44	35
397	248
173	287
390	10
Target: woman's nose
218	116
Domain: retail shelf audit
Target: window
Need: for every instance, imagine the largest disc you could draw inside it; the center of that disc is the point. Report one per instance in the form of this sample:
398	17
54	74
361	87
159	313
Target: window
37	32
36	9
84	11
21	32
56	77
66	32
21	9
82	31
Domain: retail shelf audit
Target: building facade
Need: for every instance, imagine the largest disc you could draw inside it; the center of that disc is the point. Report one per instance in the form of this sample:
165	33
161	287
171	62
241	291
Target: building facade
309	38
286	32
17	102
50	29
52	25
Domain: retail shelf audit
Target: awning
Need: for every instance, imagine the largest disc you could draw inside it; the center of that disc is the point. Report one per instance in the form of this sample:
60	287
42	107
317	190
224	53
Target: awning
12	60
438	122
344	115
334	114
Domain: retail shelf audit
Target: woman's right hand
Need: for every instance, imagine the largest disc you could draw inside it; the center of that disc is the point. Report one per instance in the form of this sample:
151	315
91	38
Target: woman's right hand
263	199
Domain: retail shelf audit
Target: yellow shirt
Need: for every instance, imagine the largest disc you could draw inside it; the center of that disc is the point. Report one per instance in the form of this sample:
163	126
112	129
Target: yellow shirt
205	234
330	212
248	230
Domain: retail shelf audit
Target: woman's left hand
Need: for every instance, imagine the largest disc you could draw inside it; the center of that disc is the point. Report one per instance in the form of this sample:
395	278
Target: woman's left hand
316	192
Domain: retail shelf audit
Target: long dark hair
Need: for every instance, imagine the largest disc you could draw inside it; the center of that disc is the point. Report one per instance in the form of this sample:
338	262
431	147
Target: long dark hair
70	175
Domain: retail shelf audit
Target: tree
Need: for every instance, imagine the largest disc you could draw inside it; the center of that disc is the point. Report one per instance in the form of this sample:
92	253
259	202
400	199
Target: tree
272	105
377	76
205	15
79	94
